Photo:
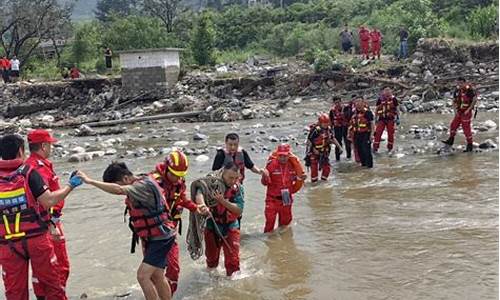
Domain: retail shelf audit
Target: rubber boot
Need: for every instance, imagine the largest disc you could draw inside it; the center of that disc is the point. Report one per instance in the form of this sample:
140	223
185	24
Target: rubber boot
469	148
449	141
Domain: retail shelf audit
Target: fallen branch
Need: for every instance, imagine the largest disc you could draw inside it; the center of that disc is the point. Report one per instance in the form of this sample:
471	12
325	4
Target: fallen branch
141	119
131	100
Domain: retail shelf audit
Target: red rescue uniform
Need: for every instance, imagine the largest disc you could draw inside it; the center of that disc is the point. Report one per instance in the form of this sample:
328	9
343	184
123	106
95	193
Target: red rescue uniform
46	169
320	140
463	99
24	237
364	41
281	185
175	195
387	111
376	40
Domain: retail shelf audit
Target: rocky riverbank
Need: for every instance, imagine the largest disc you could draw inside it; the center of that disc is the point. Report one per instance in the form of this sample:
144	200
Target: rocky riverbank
261	89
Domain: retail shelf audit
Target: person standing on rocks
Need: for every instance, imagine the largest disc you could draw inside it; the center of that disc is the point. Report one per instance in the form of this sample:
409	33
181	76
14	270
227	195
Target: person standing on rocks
319	142
376	41
74	73
284	178
465	99
40	144
24	237
346	40
149	222
15	67
364	41
339	124
361	128
108	56
5	68
403	43
387	117
170	176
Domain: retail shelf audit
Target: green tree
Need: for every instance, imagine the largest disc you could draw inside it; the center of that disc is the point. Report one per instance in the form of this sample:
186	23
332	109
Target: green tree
203	42
87	42
483	21
105	9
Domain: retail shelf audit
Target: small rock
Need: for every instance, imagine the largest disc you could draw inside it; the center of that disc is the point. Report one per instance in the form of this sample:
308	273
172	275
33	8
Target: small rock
110	151
25	123
490	124
48	119
297	101
469	64
201	158
199	137
80	157
77	150
488	144
181	143
273	139
247	113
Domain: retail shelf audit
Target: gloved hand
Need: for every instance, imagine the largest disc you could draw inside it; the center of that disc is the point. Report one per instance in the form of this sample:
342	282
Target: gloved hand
74	180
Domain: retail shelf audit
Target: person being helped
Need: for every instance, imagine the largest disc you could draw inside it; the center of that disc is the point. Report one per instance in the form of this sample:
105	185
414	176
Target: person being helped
40	145
233	152
387	114
339	124
376	39
149	221
24	237
465	99
285	178
362	127
170	176
319	139
223	230
364	41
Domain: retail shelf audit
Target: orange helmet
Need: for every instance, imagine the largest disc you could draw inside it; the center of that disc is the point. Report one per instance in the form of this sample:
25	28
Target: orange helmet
177	163
324	118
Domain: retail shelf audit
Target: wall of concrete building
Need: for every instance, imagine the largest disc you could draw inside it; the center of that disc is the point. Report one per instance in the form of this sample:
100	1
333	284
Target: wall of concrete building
144	70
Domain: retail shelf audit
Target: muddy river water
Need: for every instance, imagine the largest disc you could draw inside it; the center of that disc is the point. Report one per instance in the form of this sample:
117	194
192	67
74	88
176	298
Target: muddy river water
414	227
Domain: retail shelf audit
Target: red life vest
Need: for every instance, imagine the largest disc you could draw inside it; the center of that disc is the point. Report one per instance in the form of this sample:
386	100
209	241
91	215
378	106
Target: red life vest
238	158
387	109
221	214
147	223
21	216
359	122
321	137
337	117
281	177
464	96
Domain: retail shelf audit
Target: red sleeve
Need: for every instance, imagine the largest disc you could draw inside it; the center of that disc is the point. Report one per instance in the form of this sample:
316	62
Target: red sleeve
265	180
185	202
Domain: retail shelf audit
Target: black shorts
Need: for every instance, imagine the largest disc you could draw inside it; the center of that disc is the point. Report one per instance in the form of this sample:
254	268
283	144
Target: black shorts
155	252
346	46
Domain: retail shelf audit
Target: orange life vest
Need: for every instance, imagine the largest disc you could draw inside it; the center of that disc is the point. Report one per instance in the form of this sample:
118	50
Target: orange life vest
21	216
297	167
147	223
321	137
387	109
359	122
337	116
463	100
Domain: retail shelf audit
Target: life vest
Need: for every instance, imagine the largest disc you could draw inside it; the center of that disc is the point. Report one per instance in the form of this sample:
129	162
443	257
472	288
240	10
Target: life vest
44	168
321	137
239	160
297	167
221	214
359	122
463	99
337	116
147	223
21	215
387	108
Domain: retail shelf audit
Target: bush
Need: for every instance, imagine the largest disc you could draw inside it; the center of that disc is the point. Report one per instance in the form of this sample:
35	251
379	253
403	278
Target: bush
482	21
324	61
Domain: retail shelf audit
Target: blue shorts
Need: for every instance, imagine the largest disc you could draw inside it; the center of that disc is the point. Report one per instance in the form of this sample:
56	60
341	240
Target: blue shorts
155	252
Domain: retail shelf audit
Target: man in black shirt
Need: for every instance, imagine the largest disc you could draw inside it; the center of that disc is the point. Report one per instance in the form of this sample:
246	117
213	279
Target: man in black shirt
24	237
233	152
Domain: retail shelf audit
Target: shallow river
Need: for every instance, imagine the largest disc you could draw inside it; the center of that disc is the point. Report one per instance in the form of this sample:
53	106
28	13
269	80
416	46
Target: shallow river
413	227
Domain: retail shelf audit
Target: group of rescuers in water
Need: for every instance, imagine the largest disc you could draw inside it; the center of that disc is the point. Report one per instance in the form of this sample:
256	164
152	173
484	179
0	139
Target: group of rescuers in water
31	199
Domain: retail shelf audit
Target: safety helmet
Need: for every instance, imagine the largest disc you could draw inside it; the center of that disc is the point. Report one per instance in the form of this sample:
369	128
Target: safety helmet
283	149
177	163
323	118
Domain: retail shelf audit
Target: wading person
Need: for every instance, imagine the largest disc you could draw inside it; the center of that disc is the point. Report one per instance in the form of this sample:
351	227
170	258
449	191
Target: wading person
24	237
40	145
286	177
170	175
149	221
465	99
319	142
339	121
362	128
223	230
387	114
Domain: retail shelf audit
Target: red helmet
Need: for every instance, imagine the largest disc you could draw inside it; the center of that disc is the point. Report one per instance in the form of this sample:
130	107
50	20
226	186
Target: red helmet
177	163
324	118
283	149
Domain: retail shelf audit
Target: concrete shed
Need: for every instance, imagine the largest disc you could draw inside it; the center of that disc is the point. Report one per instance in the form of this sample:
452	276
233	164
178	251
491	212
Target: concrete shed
149	69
